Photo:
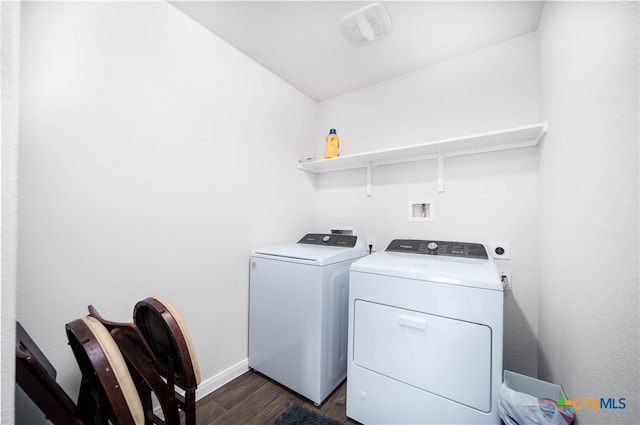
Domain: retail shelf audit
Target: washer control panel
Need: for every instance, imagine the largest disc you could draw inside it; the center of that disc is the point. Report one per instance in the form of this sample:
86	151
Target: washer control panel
450	249
327	239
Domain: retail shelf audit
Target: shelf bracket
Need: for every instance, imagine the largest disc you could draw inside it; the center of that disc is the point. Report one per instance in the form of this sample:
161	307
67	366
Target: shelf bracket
440	172
369	178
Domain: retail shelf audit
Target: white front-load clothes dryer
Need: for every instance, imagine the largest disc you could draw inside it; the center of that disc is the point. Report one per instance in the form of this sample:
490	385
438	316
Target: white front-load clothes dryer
425	335
298	312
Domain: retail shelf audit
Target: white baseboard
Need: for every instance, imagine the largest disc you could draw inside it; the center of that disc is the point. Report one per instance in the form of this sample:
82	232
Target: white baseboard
216	381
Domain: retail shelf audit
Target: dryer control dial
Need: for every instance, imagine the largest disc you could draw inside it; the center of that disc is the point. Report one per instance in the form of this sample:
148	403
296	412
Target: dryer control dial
432	246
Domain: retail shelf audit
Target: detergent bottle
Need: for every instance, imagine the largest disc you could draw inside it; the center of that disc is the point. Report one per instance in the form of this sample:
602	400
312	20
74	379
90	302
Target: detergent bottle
332	144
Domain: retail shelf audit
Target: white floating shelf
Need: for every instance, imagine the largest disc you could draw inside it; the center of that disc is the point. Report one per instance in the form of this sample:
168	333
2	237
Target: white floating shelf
513	138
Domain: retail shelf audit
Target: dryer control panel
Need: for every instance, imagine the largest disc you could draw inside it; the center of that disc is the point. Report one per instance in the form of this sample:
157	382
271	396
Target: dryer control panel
345	241
447	248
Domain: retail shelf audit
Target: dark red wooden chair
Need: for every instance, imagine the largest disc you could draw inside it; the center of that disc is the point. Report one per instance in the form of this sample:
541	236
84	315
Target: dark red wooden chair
108	394
143	368
166	333
107	390
37	378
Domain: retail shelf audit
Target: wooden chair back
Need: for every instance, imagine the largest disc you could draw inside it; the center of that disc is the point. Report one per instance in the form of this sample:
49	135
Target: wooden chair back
168	337
107	390
143	367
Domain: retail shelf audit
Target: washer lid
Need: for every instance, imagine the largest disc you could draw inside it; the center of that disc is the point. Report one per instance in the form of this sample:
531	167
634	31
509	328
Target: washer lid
313	253
471	272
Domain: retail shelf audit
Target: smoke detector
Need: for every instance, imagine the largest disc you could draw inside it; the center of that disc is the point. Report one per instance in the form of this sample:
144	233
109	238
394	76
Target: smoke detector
366	24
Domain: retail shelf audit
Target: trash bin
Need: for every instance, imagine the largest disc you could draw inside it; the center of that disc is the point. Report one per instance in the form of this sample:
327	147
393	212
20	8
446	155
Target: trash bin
526	400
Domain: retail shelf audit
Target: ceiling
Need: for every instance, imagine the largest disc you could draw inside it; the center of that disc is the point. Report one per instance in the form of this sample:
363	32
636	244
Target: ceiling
301	41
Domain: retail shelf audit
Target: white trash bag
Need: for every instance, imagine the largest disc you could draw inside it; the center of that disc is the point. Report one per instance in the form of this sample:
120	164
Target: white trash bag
516	408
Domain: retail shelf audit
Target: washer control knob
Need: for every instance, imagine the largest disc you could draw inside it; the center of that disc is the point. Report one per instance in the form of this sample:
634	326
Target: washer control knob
432	246
326	238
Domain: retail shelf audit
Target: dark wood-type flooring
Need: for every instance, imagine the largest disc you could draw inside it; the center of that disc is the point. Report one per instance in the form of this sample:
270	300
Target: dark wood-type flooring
253	399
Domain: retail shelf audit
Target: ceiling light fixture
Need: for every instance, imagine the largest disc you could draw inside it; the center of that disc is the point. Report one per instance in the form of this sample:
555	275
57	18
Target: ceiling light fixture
366	24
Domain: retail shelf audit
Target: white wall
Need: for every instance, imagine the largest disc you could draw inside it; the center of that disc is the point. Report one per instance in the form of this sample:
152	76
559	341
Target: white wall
153	158
488	197
10	16
588	309
491	89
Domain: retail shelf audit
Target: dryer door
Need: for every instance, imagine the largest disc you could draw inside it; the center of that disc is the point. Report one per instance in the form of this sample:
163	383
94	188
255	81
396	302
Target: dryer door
447	357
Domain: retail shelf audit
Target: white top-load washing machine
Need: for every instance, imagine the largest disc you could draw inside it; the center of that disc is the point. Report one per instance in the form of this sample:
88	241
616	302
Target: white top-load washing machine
425	335
298	311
